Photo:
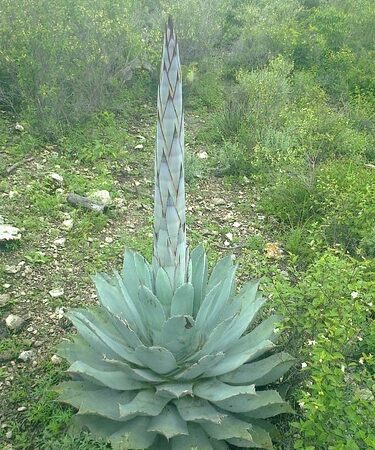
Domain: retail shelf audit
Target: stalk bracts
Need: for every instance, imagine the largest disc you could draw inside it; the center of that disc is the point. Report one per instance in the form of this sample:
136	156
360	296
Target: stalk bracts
169	209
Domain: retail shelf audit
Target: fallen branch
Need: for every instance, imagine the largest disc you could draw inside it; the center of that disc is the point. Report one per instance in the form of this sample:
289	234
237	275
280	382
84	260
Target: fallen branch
16	165
84	202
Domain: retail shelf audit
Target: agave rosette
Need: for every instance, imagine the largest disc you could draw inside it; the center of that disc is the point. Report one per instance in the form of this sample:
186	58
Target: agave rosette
157	369
172	358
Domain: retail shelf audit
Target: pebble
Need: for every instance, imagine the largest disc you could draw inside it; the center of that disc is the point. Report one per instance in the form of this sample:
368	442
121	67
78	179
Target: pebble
57	179
68	224
138	147
26	355
60	242
9	434
103	197
18	127
202	155
21	408
56	293
56	360
4	299
11	269
108	240
15	323
218	201
229	236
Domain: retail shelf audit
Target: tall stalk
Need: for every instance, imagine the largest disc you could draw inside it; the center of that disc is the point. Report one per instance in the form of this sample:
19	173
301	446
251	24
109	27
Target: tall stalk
169	206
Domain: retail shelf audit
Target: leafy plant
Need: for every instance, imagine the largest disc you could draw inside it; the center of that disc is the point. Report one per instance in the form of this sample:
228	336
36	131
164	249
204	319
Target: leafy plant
166	361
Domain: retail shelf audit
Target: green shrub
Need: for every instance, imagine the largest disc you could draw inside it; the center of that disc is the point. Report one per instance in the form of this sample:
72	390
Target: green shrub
63	60
329	314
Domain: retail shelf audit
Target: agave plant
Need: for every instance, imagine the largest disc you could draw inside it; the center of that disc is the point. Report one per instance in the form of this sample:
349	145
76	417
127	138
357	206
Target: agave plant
171	358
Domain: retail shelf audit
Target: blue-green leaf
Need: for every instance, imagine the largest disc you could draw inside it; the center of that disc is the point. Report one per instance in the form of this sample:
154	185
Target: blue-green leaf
145	403
265	371
169	423
183	300
159	359
214	390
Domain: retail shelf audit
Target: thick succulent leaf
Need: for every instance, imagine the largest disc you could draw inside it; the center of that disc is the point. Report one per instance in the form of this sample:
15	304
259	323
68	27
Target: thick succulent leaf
183	301
204	311
105	334
124	329
194	409
169	423
220	272
89	336
179	336
129	435
197	439
91	399
219	445
136	272
117	380
230	427
145	403
265	371
132	304
175	390
158	359
153	312
144	375
260	406
260	438
133	435
199	275
211	309
215	390
77	349
214	342
216	308
249	347
227	333
203	364
163	289
110	297
235	359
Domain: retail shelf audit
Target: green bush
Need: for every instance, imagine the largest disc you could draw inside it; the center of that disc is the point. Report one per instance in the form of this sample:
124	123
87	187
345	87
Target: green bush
329	314
61	61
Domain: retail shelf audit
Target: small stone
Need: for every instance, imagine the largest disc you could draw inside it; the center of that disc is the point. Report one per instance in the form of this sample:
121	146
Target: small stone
9	233
15	323
218	201
38	343
138	147
12	269
9	434
60	242
18	127
202	155
57	179
236	224
108	240
103	197
56	293
21	408
140	137
229	236
26	355
56	360
4	299
67	224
